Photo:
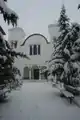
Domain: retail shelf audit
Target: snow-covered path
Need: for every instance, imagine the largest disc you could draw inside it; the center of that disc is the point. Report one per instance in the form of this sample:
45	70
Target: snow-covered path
38	101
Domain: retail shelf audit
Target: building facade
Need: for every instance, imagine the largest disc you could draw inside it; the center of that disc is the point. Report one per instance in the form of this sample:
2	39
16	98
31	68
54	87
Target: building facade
38	49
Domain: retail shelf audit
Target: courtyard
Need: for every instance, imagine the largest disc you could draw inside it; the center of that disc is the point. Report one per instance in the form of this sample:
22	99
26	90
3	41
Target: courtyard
38	101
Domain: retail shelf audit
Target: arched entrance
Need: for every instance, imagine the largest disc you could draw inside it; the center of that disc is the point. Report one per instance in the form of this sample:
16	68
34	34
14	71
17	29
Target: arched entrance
26	73
35	71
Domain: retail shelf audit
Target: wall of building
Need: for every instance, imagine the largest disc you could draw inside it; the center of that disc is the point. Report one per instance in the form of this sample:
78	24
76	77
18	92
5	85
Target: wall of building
39	60
46	48
16	33
34	59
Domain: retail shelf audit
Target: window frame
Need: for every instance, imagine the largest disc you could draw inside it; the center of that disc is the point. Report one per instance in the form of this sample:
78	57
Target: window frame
37	52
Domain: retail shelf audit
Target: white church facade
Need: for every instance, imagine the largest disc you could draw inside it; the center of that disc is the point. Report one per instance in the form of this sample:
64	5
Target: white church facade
38	49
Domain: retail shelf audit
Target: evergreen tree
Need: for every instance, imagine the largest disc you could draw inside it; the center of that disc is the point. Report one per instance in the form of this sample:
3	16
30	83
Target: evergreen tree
57	56
8	71
70	51
8	14
65	58
63	21
64	26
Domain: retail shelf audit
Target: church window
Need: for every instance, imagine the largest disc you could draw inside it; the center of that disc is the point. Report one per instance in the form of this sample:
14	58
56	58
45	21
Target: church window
30	49
34	50
39	50
13	44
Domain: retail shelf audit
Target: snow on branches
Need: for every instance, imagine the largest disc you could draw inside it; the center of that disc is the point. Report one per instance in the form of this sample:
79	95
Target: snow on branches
63	21
8	14
79	6
68	52
66	55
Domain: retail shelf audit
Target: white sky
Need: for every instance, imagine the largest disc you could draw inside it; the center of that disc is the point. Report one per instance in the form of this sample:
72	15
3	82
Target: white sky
36	15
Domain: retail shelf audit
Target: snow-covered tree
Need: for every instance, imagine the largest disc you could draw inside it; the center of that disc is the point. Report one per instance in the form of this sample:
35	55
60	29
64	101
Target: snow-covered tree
7	56
63	21
57	56
66	58
64	27
71	66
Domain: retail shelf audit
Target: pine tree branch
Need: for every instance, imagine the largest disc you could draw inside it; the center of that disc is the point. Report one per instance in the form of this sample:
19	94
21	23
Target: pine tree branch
13	53
79	6
9	15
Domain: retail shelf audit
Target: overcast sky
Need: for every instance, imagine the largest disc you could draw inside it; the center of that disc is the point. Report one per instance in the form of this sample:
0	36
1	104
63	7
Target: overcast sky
36	15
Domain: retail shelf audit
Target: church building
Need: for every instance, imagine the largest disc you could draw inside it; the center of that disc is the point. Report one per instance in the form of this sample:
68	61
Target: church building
36	46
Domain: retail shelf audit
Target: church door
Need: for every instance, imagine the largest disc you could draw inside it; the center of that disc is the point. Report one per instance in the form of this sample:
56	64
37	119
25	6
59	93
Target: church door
36	74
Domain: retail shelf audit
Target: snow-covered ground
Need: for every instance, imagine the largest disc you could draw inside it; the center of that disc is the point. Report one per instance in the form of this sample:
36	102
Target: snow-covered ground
38	101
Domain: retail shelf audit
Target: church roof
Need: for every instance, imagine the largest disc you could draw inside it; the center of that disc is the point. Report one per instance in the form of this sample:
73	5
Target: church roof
35	34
